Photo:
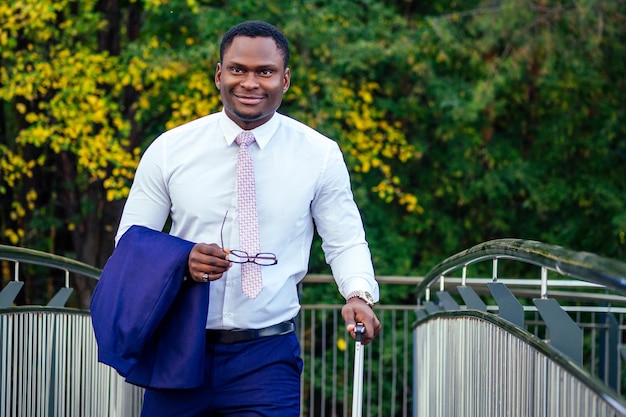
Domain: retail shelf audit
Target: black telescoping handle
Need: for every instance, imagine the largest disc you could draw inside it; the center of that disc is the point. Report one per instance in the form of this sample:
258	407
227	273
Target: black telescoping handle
359	330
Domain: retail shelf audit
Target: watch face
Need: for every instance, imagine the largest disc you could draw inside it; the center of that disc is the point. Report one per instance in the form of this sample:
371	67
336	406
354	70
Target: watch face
363	295
368	298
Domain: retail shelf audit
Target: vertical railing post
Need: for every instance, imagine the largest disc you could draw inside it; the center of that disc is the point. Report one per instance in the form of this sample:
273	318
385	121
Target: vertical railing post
464	275
544	283
494	271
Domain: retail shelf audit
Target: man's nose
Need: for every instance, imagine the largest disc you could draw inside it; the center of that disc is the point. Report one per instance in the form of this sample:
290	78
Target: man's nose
250	81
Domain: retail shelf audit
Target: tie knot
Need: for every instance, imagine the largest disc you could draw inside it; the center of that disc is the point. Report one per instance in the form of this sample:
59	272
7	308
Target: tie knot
244	138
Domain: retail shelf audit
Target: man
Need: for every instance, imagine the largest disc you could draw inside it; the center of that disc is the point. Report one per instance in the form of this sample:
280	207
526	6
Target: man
189	174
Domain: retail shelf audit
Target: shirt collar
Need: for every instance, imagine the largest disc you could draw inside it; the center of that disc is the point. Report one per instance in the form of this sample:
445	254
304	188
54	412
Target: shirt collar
262	134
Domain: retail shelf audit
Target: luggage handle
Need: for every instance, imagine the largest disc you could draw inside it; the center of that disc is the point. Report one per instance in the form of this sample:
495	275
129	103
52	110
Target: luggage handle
357	387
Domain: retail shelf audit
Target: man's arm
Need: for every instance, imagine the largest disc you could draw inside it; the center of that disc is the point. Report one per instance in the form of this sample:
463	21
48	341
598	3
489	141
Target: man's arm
148	203
340	226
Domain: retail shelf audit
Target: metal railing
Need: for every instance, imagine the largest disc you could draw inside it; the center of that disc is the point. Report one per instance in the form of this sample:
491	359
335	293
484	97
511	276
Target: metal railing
514	349
48	364
19	256
48	367
473	364
328	354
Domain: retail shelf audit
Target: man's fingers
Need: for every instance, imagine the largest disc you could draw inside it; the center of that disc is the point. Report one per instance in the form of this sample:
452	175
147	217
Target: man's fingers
207	262
361	313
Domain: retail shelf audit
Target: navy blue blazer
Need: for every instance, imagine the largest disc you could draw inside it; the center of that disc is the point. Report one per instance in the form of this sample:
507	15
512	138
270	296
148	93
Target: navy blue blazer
148	321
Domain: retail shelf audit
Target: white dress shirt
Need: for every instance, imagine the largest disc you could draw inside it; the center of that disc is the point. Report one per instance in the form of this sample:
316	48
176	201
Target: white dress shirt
302	183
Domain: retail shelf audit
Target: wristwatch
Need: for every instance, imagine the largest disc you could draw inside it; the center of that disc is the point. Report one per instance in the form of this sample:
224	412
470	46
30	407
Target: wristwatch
363	295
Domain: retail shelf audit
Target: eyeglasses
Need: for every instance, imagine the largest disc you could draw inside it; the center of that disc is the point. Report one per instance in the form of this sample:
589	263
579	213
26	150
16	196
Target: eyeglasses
242	257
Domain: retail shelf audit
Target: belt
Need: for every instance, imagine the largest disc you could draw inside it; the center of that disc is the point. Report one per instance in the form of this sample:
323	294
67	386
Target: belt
247	335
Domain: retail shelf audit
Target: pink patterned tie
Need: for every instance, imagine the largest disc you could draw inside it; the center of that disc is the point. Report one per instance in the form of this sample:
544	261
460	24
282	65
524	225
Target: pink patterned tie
251	281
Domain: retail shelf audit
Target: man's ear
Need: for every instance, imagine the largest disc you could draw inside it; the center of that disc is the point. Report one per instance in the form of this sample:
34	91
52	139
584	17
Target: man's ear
286	80
218	76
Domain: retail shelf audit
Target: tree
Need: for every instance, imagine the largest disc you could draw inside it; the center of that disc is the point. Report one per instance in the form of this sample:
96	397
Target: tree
526	108
460	123
62	125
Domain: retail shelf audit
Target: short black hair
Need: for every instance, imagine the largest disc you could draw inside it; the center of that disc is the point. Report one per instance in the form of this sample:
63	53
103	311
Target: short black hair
253	29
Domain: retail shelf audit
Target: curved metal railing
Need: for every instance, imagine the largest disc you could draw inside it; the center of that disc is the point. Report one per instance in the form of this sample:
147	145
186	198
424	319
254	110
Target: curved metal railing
61	340
455	343
581	265
48	354
35	257
475	364
19	255
49	367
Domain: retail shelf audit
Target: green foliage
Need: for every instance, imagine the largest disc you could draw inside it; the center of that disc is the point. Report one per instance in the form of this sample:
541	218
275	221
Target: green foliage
521	146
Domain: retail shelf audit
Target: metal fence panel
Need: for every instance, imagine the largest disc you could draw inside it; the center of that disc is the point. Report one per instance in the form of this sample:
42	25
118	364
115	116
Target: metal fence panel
49	368
470	367
328	354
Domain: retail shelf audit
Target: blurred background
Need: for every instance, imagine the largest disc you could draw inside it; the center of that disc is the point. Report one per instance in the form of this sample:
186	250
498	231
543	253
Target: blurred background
461	121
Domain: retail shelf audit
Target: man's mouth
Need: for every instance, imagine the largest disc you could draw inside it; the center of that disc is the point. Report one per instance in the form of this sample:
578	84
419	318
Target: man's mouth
249	100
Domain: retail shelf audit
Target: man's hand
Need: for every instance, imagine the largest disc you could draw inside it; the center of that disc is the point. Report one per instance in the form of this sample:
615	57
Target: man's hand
357	311
207	262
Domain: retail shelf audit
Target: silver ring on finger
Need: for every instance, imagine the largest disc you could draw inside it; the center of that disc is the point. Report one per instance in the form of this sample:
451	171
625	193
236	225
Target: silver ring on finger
205	277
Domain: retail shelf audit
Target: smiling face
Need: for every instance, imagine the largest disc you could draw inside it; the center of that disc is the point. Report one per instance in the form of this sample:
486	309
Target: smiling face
252	79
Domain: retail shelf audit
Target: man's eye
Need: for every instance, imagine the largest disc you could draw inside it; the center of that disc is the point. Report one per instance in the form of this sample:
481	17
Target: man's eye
266	72
237	70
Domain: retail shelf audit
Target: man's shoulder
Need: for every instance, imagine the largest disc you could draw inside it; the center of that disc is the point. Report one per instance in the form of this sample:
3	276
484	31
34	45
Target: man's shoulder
300	128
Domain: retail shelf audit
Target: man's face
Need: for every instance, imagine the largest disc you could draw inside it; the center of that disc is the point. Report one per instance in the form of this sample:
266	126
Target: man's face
252	80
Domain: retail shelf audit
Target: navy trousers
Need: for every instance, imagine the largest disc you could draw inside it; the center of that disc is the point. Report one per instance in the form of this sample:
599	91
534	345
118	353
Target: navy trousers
257	378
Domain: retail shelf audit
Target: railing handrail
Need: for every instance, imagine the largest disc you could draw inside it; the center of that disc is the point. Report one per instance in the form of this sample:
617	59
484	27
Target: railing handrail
32	256
585	266
589	267
565	262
